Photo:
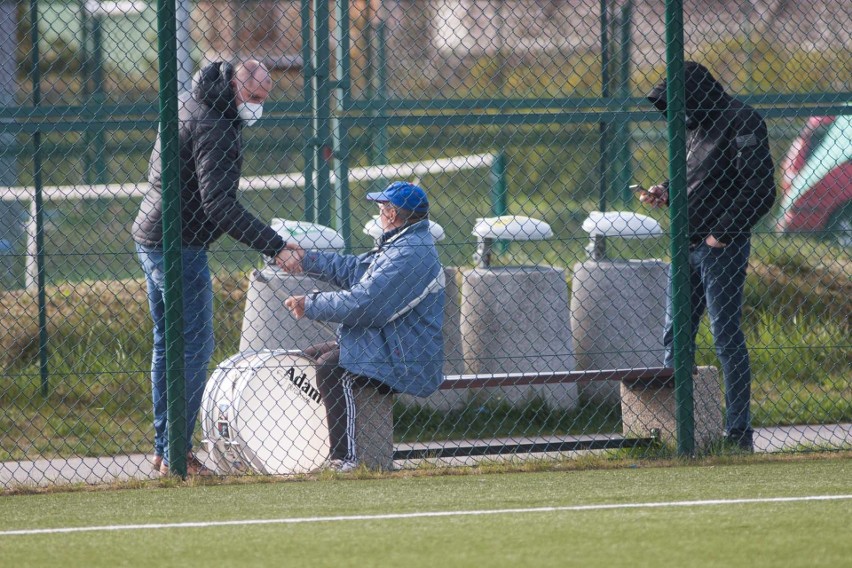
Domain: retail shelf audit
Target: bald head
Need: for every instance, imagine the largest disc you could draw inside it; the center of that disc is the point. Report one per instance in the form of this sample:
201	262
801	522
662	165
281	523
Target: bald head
252	82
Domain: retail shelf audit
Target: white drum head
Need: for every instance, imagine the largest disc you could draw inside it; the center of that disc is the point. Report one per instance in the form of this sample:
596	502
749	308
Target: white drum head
275	419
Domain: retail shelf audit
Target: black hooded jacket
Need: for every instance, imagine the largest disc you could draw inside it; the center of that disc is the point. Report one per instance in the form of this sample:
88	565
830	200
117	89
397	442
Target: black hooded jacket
729	169
210	142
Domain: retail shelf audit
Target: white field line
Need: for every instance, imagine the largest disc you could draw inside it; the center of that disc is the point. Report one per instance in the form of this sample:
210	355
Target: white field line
426	514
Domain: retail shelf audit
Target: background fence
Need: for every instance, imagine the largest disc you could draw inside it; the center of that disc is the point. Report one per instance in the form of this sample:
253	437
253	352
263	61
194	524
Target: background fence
529	108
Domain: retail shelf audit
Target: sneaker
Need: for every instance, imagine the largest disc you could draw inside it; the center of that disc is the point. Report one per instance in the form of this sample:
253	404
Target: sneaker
193	467
341	466
156	463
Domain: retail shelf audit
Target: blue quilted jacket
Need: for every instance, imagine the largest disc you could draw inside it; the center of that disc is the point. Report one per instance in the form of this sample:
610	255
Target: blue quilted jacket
390	309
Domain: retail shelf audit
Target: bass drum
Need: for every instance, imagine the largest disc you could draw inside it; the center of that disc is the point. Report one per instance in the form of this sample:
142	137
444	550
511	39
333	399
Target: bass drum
262	411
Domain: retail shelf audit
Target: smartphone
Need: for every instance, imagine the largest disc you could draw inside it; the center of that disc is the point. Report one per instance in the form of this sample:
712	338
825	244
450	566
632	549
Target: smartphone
638	190
642	194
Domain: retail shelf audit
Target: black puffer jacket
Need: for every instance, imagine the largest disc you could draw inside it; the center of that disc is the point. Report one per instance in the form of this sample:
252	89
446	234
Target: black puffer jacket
210	163
729	169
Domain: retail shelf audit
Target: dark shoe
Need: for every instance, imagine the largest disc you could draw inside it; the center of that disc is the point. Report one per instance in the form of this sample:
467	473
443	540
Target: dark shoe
741	440
193	467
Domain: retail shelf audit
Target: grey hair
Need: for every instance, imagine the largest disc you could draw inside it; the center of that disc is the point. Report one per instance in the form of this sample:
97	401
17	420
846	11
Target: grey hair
409	215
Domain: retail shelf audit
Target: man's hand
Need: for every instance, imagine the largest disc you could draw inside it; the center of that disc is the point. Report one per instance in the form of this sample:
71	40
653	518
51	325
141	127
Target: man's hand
296	305
713	242
290	258
656	196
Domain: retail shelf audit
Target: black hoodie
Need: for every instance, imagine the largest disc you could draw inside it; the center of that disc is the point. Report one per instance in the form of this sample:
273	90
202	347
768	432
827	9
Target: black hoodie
729	169
210	142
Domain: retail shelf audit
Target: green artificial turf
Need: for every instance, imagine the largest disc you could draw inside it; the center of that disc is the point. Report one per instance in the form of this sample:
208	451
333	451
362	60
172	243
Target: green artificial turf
801	533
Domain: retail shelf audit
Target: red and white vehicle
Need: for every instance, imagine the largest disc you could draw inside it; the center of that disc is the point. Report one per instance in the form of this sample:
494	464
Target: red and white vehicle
816	180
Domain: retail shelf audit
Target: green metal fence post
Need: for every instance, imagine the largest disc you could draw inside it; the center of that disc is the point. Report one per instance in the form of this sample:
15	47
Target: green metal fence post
38	205
92	91
676	107
338	128
321	106
603	163
624	159
98	96
85	92
11	212
308	93
379	94
175	385
381	144
499	194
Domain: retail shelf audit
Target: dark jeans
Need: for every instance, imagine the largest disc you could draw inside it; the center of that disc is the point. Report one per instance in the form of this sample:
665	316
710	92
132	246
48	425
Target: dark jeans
197	336
717	280
335	385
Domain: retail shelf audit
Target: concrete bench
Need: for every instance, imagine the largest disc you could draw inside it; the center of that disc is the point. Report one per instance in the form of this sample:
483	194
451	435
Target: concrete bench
647	407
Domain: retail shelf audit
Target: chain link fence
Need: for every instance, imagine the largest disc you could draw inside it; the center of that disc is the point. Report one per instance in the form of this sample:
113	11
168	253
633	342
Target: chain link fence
526	318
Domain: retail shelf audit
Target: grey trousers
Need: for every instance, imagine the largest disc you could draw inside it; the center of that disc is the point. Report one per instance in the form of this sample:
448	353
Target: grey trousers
335	385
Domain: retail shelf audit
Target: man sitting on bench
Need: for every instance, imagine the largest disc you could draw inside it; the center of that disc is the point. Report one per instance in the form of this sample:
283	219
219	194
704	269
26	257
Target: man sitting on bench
390	312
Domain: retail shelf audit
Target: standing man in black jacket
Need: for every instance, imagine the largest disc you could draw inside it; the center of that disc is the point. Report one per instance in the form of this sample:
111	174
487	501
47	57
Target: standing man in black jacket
223	100
730	186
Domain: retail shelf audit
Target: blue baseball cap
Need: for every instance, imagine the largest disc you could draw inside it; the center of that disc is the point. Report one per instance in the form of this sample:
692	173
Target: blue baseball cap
403	195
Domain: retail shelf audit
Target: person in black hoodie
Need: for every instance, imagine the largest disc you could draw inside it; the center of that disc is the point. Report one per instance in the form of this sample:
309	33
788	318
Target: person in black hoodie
224	99
730	186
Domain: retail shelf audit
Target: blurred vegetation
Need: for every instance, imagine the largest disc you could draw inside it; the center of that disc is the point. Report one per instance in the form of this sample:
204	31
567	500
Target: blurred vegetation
746	64
762	66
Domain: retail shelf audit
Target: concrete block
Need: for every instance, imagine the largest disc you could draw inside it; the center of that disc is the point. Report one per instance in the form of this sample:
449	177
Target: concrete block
647	407
373	427
618	311
453	353
517	319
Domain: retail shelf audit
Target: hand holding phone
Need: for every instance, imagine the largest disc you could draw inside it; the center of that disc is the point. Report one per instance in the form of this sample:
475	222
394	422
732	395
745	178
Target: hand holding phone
640	192
655	197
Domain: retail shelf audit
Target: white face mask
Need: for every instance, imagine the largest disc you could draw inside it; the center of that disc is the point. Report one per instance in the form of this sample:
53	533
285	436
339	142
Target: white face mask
250	112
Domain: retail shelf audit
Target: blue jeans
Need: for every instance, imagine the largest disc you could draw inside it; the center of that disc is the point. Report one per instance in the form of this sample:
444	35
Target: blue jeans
717	280
197	334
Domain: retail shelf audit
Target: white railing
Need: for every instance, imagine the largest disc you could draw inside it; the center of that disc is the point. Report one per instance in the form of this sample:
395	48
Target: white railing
406	170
